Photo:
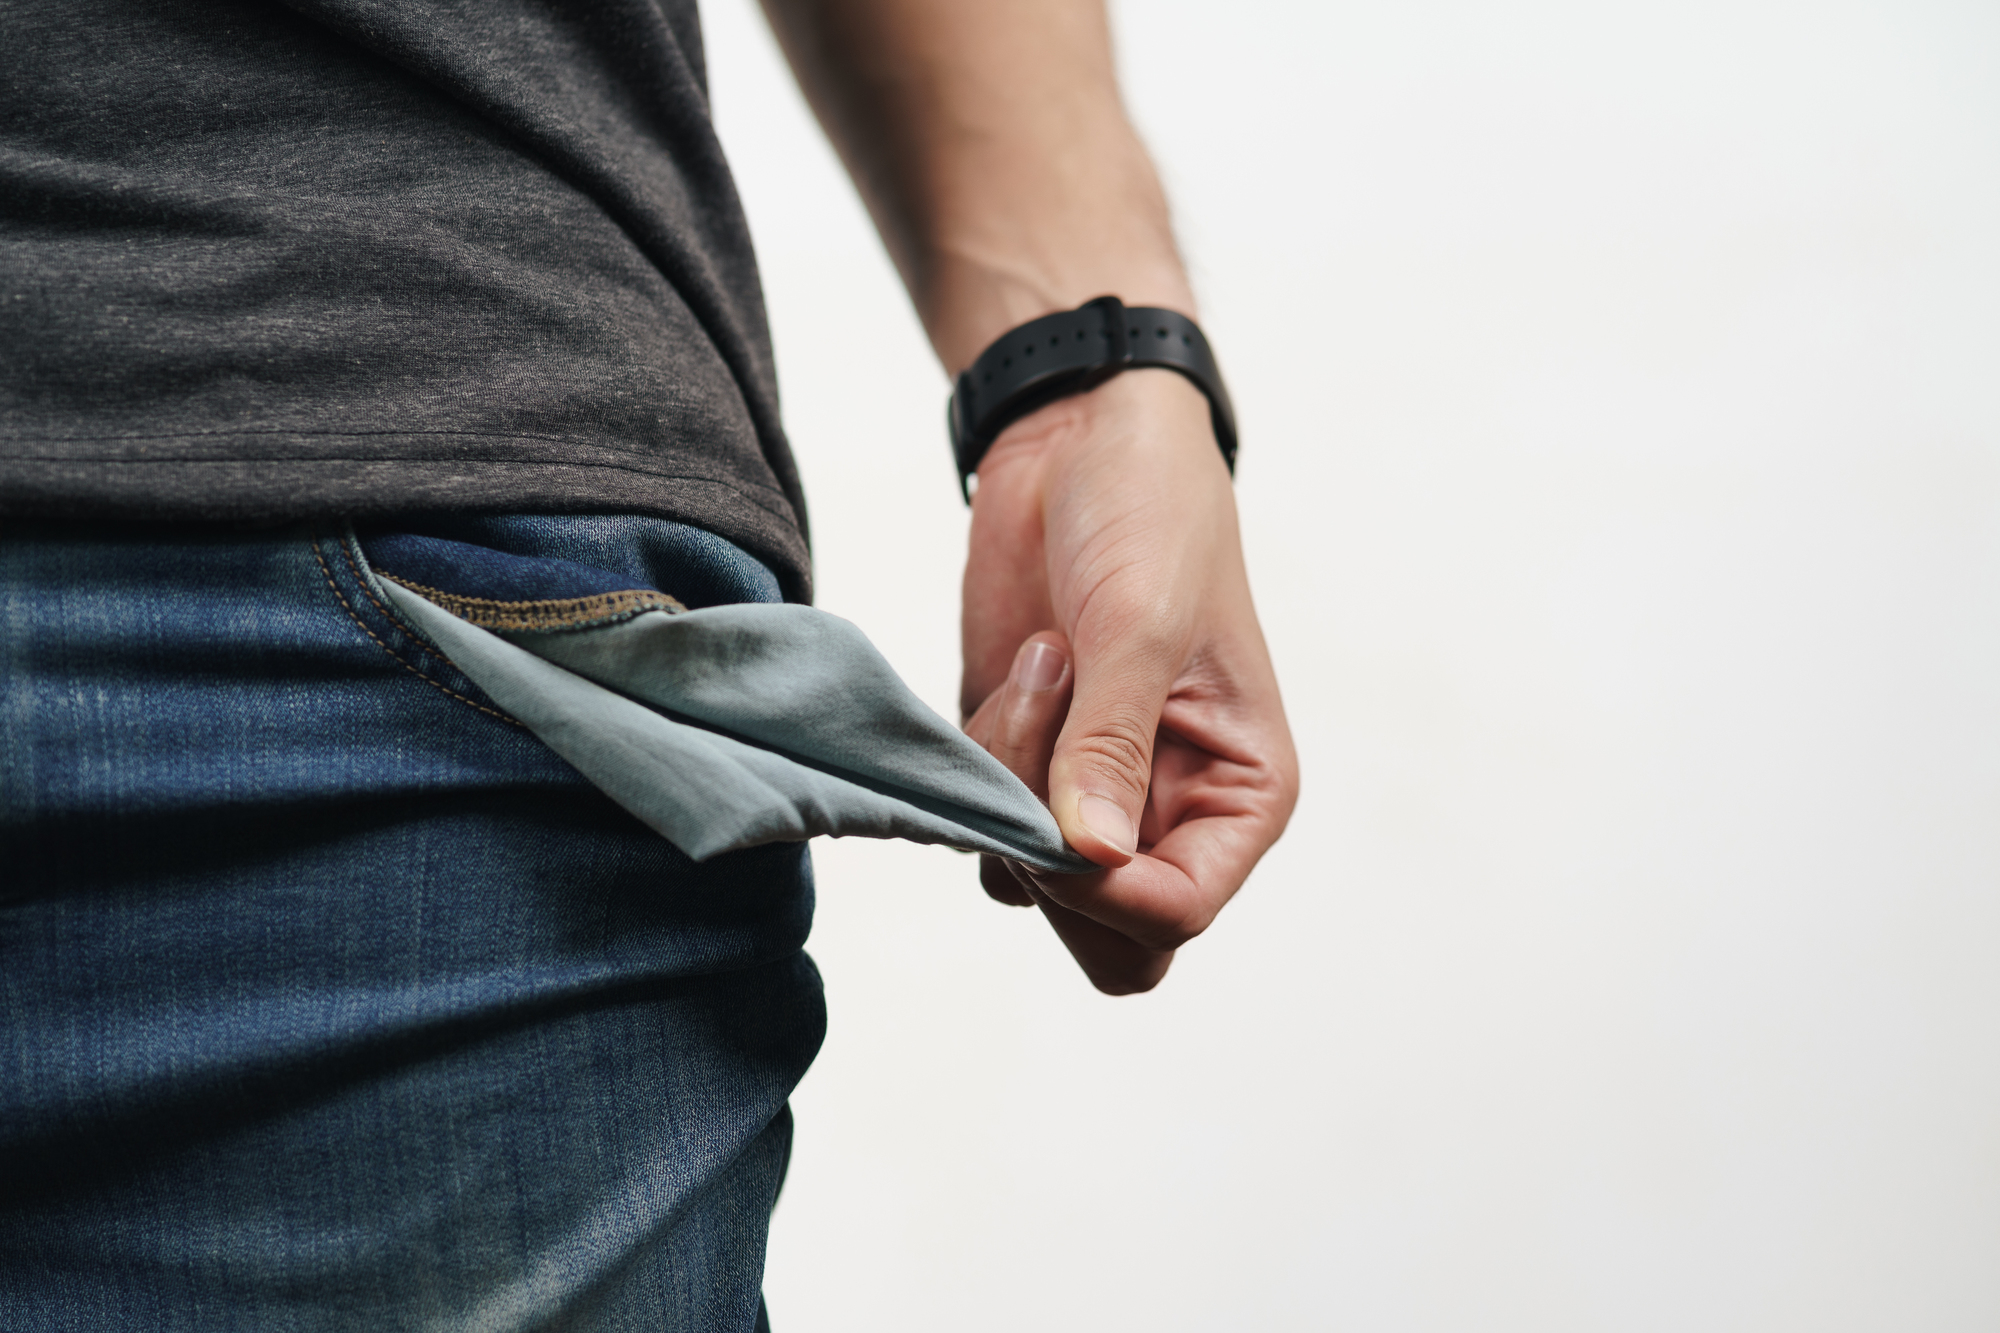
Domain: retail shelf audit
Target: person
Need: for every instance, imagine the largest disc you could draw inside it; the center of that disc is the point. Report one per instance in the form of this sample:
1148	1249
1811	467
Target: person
332	998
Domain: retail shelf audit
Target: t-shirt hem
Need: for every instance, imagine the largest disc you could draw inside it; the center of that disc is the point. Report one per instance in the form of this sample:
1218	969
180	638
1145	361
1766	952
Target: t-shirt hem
158	486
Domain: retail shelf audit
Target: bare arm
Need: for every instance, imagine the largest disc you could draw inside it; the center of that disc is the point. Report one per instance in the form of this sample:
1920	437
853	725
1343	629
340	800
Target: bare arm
992	149
989	141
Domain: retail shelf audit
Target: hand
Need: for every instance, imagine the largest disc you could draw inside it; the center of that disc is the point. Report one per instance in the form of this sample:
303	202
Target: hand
992	147
1113	661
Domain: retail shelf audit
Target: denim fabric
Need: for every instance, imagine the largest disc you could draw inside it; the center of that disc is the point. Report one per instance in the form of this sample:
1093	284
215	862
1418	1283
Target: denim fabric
608	552
330	998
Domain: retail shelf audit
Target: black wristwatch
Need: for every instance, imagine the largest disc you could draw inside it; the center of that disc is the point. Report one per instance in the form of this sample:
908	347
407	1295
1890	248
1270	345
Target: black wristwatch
1071	352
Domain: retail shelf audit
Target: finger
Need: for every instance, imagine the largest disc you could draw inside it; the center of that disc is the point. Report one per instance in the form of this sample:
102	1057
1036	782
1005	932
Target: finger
1165	897
979	725
1018	724
1029	714
1223	788
1114	964
1001	884
1102	767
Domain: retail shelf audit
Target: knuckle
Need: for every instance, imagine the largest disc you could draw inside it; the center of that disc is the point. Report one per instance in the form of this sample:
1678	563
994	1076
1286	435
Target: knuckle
1169	935
1166	939
1120	748
1143	616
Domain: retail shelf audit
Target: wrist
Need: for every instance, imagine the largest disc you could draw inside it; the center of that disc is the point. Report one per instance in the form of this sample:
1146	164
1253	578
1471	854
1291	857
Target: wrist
1143	433
1069	352
972	293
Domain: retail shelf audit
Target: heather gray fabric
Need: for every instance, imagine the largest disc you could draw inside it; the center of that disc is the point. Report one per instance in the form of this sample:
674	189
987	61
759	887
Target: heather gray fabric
263	261
823	736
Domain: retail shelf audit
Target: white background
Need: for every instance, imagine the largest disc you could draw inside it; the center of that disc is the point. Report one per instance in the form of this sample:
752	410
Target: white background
1620	391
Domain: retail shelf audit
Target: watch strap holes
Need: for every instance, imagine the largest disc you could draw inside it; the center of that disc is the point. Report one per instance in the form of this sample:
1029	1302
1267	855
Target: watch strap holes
995	391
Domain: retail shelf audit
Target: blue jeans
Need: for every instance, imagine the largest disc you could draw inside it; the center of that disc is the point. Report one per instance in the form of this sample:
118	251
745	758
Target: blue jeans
329	997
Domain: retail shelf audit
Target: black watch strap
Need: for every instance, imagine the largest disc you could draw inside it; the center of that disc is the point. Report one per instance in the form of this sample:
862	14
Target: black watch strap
1071	352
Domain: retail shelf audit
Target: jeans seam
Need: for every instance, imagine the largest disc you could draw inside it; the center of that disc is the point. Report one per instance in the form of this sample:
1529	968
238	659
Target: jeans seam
327	574
361	580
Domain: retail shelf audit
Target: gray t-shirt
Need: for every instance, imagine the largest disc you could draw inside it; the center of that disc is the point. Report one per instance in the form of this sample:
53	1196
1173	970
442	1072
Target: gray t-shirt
261	261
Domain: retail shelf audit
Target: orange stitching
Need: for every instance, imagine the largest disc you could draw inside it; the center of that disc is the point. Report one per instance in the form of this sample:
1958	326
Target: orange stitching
423	646
348	607
546	613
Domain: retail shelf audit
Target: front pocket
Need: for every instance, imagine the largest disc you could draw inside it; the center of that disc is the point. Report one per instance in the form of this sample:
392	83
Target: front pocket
720	728
497	590
344	567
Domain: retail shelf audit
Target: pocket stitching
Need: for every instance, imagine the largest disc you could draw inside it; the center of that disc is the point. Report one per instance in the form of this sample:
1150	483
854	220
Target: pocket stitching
348	607
544	615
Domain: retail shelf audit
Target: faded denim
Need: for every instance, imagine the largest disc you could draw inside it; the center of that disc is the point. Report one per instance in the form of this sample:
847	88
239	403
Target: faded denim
330	998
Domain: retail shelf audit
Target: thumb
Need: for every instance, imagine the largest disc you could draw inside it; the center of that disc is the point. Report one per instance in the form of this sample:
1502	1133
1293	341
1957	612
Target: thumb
1103	763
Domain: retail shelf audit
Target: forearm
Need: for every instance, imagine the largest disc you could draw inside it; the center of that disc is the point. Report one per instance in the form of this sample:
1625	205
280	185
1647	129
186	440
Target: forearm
991	146
988	139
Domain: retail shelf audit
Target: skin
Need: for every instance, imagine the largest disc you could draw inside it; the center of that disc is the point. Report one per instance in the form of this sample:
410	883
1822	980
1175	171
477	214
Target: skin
1113	658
